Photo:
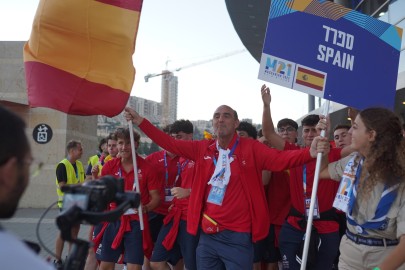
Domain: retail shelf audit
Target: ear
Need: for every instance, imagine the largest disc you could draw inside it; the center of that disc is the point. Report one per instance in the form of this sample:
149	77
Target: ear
372	135
8	172
237	123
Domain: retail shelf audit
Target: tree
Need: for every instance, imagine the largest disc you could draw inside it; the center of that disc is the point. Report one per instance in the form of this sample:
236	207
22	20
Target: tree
153	148
198	135
143	148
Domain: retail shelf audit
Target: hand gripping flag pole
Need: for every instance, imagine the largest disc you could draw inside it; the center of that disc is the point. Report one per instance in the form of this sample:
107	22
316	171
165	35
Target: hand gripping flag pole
313	198
136	180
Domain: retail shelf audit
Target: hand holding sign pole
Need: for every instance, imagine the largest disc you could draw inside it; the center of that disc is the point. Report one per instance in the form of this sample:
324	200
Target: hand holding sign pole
313	198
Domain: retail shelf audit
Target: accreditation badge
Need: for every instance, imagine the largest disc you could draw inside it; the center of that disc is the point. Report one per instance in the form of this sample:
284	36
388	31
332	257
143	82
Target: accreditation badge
307	202
168	195
342	197
216	195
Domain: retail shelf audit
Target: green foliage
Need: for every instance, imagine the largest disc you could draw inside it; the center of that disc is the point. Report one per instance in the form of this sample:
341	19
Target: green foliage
153	148
198	134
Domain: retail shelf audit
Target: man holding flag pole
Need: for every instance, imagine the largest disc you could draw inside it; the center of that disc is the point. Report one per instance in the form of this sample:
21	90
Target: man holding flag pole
130	235
227	198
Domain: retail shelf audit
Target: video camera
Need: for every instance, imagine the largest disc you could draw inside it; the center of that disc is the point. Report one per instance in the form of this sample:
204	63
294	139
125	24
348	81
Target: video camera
88	203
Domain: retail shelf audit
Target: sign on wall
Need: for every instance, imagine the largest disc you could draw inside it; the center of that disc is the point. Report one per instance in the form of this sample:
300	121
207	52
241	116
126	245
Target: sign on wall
42	133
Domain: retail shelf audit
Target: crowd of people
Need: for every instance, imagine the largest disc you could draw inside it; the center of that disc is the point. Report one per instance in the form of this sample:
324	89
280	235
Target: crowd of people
241	199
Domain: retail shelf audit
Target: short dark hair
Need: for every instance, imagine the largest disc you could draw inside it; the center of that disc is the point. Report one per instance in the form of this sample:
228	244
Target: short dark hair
287	122
13	141
72	144
166	129
310	120
181	126
111	136
341	126
123	133
102	141
249	128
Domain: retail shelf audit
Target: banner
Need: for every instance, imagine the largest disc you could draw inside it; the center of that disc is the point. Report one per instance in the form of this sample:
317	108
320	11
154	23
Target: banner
78	59
329	51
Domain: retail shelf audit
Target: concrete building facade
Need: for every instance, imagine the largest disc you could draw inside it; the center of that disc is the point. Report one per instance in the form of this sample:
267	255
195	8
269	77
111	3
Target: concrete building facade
41	191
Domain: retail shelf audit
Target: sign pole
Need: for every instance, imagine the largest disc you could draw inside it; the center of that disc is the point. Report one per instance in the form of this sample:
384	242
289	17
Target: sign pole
136	181
313	198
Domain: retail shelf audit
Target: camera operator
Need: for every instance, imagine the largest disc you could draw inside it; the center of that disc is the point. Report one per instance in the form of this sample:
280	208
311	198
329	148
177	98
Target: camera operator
15	160
125	236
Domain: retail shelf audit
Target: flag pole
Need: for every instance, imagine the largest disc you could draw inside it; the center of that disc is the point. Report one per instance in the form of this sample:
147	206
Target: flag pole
313	197
136	181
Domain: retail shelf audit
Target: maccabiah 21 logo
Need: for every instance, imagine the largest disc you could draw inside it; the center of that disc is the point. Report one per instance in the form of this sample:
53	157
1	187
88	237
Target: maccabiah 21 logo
278	68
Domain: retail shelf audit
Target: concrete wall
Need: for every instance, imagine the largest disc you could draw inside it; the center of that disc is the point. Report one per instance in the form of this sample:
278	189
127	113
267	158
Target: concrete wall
42	189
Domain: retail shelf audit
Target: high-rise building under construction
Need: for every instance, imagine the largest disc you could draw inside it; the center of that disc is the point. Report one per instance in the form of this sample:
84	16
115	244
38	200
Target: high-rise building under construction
169	98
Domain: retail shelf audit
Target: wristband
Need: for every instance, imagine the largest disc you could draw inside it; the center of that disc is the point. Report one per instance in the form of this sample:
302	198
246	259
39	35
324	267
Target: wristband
376	268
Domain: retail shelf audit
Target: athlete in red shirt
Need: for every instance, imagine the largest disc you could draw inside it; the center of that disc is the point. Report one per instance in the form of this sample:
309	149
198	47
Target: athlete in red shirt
174	240
124	236
301	180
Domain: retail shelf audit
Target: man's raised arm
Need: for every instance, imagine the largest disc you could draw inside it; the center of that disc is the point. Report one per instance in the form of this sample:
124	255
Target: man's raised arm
269	132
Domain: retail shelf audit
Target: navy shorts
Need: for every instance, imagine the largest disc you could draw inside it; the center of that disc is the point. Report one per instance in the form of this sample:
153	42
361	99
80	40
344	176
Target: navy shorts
155	224
184	246
261	250
97	229
131	243
291	240
274	251
225	250
265	250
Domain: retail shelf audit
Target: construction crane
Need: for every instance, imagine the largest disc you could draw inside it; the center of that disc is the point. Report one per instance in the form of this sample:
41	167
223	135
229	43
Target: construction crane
148	76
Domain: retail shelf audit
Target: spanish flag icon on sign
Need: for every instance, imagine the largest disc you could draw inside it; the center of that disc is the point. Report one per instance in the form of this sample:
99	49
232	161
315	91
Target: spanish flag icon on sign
309	80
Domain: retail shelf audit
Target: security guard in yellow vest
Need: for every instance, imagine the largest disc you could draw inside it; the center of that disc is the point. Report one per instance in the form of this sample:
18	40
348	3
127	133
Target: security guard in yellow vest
74	176
69	171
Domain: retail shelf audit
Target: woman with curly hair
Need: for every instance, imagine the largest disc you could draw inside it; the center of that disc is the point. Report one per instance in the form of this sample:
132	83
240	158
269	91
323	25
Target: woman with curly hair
372	193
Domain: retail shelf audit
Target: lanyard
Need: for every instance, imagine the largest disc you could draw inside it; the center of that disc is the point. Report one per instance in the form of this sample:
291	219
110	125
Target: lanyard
230	153
304	180
166	168
353	191
181	168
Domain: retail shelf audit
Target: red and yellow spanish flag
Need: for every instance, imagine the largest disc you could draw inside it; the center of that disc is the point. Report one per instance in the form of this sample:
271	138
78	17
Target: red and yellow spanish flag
311	79
78	59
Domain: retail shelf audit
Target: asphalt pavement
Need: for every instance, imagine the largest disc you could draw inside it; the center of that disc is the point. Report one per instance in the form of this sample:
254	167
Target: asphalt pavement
24	225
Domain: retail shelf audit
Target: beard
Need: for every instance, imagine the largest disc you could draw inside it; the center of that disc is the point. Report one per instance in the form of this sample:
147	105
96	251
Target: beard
10	204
